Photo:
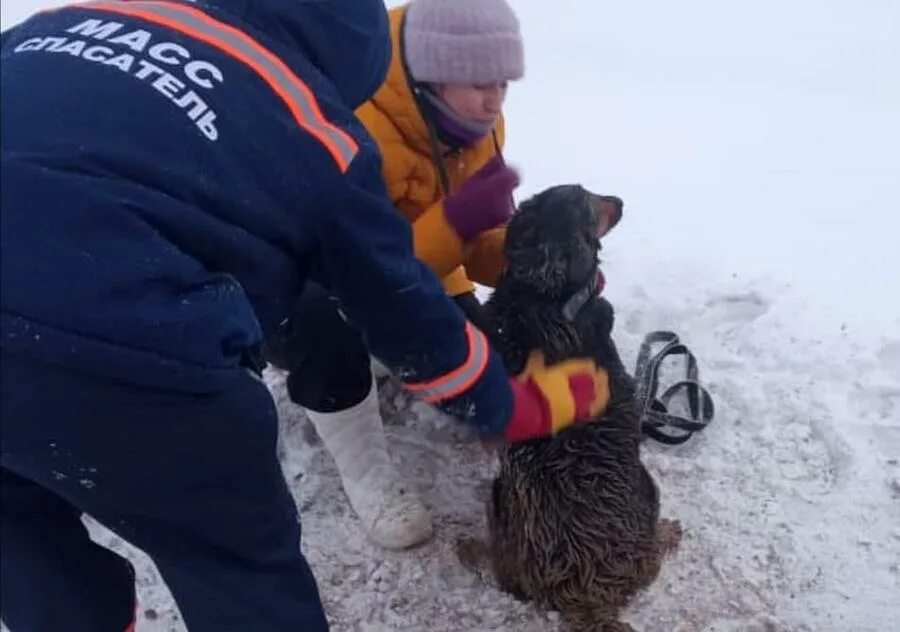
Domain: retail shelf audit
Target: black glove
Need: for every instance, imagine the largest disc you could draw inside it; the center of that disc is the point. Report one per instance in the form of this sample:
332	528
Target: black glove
474	311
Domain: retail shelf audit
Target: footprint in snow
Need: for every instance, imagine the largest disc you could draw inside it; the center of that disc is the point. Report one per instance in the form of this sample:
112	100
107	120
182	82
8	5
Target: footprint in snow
736	308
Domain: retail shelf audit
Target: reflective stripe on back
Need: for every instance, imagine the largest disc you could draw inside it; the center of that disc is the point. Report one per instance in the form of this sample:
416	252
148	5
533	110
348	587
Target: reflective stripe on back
295	94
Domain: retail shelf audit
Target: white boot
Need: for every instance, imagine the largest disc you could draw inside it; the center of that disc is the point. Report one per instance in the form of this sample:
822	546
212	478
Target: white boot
378	369
389	510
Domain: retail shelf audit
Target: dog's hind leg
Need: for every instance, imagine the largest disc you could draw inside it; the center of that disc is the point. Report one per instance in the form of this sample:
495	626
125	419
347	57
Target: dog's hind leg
492	555
477	555
668	537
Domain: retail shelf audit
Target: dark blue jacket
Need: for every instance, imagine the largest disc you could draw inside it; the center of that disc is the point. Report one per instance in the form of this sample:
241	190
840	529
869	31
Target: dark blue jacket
162	206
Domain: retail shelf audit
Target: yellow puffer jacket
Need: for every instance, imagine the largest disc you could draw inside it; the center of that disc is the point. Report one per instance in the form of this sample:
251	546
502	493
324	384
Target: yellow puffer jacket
414	183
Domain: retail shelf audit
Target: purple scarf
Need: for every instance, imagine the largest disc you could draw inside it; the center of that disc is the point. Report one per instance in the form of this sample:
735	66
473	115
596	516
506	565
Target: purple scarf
452	129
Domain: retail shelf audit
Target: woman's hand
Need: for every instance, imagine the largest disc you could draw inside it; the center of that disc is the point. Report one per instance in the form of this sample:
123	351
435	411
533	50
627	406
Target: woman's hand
484	201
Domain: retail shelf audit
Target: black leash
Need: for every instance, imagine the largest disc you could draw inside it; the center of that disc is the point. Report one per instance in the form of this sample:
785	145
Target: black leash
655	419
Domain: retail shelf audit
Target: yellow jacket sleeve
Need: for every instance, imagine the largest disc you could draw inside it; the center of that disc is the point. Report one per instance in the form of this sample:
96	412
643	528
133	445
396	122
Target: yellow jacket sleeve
457	282
398	162
486	259
436	243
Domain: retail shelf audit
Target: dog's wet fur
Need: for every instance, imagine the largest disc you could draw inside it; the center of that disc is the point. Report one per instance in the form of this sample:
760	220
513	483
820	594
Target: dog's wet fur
573	520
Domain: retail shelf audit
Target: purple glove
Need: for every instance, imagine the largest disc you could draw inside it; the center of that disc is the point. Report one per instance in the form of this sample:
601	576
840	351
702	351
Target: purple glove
484	201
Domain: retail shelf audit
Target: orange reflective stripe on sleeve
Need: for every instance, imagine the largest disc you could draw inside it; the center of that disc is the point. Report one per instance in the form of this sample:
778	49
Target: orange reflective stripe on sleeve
295	94
461	379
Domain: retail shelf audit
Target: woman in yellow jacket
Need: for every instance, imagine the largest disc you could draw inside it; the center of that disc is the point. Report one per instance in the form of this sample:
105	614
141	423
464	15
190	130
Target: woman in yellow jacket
437	122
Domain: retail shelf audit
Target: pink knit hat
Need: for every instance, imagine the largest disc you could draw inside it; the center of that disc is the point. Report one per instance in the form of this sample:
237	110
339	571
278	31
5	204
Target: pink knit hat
463	41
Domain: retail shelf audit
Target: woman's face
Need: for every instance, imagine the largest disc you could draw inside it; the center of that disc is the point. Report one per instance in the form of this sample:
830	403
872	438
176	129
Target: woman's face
479	103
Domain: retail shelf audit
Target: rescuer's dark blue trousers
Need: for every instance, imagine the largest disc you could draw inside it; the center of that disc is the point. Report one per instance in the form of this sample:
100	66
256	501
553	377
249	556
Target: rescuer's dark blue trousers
192	480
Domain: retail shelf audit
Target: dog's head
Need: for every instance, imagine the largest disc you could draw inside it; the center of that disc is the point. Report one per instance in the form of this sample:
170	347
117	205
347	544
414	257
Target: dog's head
553	240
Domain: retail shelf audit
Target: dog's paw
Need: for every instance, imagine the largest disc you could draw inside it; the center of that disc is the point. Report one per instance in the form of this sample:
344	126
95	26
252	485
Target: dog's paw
594	620
472	553
618	626
668	535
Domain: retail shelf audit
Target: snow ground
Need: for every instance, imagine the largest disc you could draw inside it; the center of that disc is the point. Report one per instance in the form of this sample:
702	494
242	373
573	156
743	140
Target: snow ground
756	149
790	500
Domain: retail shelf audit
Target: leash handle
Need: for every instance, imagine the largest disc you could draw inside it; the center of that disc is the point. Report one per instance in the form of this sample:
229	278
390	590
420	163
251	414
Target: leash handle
654	417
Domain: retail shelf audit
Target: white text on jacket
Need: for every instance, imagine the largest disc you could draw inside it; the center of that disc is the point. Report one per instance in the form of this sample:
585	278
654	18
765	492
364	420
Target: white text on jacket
134	52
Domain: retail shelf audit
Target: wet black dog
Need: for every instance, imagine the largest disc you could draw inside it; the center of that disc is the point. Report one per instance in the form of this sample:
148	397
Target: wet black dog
574	520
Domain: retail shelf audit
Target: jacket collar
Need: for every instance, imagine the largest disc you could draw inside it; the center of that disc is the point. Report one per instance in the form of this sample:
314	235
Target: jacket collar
356	66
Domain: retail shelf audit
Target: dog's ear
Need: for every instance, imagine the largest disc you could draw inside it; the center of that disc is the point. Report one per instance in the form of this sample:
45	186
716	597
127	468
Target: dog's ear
609	208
